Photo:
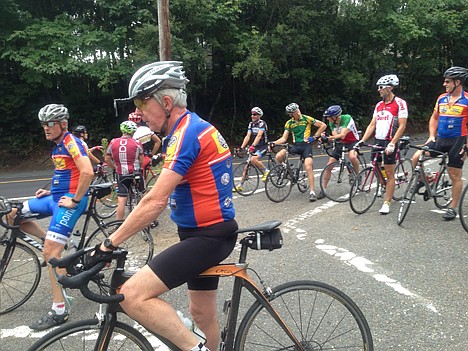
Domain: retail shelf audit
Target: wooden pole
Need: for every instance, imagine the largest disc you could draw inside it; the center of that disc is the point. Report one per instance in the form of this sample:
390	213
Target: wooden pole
164	30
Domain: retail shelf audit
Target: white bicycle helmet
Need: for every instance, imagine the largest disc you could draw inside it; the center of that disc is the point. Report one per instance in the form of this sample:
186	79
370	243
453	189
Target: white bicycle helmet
53	112
257	110
292	107
390	79
157	75
128	127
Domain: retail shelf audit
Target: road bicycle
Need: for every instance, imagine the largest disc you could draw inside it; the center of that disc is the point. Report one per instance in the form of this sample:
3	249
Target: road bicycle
370	183
438	185
20	268
283	176
152	172
299	315
337	178
246	176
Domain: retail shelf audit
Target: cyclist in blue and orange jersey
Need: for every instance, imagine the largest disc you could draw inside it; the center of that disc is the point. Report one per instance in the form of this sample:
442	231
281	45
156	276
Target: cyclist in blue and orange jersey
300	126
149	139
343	129
448	130
82	133
195	181
125	156
65	201
257	136
389	123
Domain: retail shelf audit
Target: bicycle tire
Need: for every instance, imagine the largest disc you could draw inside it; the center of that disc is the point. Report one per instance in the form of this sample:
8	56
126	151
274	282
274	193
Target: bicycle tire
106	206
279	183
463	209
150	183
140	247
339	184
364	190
302	179
20	273
83	335
320	316
247	174
443	186
408	197
403	172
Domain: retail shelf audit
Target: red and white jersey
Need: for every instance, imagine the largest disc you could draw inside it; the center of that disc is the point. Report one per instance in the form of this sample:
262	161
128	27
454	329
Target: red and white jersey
125	152
386	117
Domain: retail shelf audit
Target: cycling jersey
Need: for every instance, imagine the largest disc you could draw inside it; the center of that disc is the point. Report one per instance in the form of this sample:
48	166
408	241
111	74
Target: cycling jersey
198	152
346	121
255	127
452	119
144	135
66	174
125	152
386	117
300	129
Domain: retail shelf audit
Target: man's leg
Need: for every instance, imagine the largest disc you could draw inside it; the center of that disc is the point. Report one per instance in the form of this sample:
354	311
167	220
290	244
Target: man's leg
54	249
308	164
142	304
280	156
121	200
205	316
455	175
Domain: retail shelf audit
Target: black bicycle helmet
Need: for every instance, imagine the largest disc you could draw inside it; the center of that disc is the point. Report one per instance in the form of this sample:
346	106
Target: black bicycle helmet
79	129
456	72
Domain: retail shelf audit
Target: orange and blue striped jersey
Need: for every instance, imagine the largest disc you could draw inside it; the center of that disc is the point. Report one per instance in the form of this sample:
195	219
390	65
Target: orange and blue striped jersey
197	151
453	119
66	174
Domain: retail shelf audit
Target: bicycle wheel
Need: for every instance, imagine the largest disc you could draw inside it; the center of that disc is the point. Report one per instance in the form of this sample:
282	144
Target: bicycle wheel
20	273
463	209
107	205
140	246
403	172
364	190
246	178
150	183
302	180
279	183
83	335
408	198
336	181
443	197
320	316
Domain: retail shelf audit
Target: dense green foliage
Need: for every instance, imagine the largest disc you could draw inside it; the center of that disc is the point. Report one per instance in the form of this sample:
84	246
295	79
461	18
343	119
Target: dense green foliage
237	54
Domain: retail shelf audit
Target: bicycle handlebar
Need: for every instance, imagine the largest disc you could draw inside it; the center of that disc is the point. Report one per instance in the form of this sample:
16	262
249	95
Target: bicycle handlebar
81	280
427	149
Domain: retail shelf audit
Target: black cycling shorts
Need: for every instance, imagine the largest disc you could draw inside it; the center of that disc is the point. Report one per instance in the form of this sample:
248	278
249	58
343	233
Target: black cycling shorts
336	154
388	159
198	250
124	182
302	149
451	145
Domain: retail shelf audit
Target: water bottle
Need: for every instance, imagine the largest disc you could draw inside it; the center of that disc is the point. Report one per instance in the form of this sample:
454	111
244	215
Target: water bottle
191	326
429	175
74	242
384	173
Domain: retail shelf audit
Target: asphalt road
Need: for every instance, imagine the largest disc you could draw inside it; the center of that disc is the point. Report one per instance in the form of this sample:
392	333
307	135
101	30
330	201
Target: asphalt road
410	281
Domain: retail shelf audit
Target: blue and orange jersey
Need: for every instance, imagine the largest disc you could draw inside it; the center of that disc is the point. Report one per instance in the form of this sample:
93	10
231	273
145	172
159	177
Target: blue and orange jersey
453	119
197	151
66	174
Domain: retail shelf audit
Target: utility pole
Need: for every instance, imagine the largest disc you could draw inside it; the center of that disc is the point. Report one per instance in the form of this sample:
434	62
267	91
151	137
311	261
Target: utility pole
164	30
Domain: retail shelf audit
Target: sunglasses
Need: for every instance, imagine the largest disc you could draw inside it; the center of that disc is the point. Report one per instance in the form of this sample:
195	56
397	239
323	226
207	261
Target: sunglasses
380	87
255	114
141	103
49	124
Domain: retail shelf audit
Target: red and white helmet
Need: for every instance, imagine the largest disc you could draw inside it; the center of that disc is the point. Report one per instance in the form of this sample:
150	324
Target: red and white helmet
134	117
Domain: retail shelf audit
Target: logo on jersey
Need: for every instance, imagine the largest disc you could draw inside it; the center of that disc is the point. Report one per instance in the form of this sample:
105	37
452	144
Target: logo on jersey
220	142
171	147
73	149
227	202
225	179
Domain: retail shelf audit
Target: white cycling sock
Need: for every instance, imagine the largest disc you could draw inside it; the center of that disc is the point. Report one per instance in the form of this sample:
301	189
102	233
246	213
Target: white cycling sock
200	347
58	307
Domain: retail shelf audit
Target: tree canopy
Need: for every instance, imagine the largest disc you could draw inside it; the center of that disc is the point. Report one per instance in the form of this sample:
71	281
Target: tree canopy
237	54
